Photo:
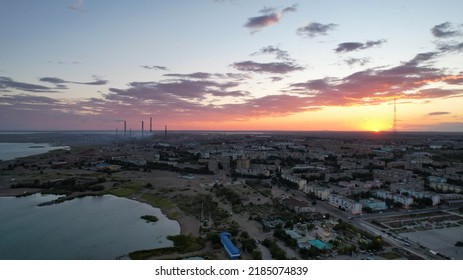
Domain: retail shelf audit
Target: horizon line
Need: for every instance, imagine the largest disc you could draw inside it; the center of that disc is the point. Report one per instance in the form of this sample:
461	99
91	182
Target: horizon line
234	130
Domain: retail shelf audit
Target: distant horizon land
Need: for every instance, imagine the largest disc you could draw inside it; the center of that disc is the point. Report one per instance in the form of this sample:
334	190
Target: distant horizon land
223	130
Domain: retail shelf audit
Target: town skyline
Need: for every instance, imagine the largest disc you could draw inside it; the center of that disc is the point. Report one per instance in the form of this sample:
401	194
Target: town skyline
232	65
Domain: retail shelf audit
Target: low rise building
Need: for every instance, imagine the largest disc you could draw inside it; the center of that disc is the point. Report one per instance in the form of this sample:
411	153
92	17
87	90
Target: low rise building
319	192
299	181
341	202
373	204
436	199
406	201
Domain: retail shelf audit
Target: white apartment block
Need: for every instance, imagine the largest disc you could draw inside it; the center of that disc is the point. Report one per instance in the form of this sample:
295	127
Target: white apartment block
352	206
320	193
405	200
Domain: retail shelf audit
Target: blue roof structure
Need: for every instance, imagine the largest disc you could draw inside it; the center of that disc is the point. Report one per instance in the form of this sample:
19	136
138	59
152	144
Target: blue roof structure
232	252
319	244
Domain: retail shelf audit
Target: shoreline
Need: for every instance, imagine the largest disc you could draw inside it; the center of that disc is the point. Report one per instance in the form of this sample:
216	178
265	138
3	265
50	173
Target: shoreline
187	224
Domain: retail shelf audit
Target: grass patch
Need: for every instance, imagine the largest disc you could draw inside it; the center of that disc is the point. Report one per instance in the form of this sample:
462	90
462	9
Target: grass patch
182	244
173	216
157	201
150	218
121	192
127	189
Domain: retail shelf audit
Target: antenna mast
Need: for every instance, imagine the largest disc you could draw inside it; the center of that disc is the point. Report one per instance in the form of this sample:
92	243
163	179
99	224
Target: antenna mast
394	126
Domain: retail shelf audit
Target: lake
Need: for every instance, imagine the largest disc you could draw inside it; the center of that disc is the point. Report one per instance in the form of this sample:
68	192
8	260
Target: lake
90	228
15	150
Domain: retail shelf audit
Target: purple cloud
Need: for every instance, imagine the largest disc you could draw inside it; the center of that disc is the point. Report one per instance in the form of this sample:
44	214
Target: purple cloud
181	88
355	46
315	29
58	81
8	83
410	80
196	75
272	67
154	67
277	52
444	30
360	61
270	17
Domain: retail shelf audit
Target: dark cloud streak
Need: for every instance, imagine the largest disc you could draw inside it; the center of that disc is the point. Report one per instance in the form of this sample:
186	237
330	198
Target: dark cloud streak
58	81
315	28
277	52
355	46
438	113
271	67
8	83
154	67
444	30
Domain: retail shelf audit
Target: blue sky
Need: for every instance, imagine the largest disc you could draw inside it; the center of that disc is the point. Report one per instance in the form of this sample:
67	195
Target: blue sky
231	64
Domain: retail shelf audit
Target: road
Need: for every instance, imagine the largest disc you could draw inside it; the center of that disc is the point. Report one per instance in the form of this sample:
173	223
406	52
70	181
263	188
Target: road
362	223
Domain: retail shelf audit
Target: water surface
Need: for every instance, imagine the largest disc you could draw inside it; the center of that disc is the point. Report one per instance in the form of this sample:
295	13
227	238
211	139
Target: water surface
105	227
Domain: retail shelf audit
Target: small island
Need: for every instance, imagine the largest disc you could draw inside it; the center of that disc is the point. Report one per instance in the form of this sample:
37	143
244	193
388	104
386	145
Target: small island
150	218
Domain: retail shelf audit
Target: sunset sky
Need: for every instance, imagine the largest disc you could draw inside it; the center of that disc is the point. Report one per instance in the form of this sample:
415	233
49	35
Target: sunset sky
231	64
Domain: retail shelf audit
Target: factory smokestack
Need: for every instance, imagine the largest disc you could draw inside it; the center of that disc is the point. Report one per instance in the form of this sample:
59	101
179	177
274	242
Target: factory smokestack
165	130
125	128
142	128
151	125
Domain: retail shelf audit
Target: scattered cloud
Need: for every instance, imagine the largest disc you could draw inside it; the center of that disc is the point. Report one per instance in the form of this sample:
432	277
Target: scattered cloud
450	47
205	75
271	16
315	29
196	75
437	113
154	67
411	80
360	61
77	6
271	67
58	81
277	52
7	83
276	79
179	88
355	46
17	99
445	30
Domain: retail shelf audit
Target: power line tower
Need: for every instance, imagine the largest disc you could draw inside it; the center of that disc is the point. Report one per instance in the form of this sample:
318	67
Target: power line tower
394	125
